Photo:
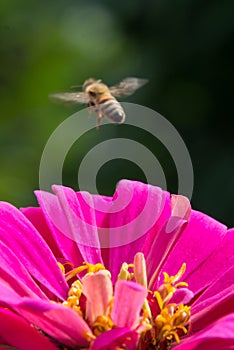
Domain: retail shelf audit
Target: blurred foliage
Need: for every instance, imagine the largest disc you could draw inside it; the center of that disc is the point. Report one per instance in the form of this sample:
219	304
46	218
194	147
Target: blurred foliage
183	47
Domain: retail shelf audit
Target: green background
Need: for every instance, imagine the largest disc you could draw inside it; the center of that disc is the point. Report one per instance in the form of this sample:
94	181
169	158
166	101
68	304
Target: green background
184	49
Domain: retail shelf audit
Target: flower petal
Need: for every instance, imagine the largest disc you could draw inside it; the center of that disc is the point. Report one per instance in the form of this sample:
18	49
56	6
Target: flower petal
199	239
135	214
215	302
56	320
70	224
167	238
54	218
15	331
35	215
220	260
128	301
180	206
14	274
117	338
182	296
219	335
19	234
99	291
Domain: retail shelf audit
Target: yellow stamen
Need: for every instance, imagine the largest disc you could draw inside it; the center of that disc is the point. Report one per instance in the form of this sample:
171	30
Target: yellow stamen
170	320
74	295
89	336
159	299
62	268
145	323
169	287
173	279
102	324
91	268
124	274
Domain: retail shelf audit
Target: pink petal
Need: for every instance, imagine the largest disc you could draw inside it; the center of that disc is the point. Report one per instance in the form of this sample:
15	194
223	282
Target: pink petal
215	302
35	215
167	238
21	236
221	259
99	291
135	214
54	218
56	320
16	332
182	296
69	224
128	301
8	296
180	206
117	338
82	222
14	274
218	336
199	239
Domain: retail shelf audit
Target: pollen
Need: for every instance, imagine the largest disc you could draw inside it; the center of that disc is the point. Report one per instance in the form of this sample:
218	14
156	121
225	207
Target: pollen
102	324
74	295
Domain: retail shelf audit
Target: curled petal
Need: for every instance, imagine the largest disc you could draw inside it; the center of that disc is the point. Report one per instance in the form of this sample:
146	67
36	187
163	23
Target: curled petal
180	206
140	269
182	296
128	301
99	291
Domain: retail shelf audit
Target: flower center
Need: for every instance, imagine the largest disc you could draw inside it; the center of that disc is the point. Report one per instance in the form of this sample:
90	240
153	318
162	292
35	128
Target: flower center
162	320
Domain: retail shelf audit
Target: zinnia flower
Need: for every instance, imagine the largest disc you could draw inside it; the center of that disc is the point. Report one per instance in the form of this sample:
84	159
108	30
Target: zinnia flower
140	270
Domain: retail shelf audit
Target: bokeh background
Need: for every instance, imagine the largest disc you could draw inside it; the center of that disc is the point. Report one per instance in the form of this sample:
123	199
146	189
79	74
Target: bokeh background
183	47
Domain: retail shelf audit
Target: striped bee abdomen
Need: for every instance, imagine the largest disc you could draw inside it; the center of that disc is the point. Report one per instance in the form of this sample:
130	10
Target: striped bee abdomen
112	110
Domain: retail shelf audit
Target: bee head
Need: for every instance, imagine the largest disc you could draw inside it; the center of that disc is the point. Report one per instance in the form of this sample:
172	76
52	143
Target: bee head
94	88
89	82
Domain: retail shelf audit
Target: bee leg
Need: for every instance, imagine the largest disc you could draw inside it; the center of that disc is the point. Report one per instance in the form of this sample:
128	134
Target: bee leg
99	120
90	106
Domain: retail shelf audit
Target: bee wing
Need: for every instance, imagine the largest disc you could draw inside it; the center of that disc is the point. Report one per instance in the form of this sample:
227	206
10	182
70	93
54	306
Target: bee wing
127	87
69	97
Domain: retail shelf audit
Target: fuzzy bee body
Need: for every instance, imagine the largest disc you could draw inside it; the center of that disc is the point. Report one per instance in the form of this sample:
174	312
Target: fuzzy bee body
101	99
111	109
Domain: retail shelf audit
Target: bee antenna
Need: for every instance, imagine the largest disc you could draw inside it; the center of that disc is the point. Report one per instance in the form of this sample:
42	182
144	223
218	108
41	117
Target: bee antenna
75	86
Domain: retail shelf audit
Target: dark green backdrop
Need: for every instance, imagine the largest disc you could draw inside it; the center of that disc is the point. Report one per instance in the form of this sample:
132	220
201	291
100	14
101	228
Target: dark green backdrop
183	47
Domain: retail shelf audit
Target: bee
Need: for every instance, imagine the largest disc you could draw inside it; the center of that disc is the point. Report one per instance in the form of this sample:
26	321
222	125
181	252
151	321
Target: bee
102	99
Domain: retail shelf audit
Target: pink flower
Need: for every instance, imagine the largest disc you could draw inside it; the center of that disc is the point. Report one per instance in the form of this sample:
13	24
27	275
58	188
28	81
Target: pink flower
91	272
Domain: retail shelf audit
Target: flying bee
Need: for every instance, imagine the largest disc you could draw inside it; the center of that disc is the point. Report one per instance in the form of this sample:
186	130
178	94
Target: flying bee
102	99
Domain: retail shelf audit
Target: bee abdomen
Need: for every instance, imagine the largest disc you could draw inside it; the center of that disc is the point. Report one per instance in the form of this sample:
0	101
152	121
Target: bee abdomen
112	110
